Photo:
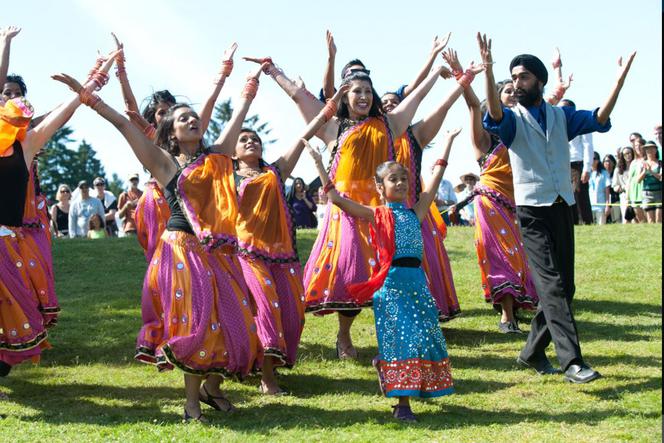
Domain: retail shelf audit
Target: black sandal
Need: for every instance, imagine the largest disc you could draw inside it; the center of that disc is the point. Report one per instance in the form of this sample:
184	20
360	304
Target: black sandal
189	418
209	400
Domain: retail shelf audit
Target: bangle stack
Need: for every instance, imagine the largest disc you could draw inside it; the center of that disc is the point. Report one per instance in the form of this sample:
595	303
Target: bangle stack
330	110
441	162
328	187
250	89
466	79
89	98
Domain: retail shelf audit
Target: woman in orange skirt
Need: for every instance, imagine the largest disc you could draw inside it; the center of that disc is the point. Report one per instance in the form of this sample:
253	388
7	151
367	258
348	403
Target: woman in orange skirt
361	138
197	311
267	246
506	279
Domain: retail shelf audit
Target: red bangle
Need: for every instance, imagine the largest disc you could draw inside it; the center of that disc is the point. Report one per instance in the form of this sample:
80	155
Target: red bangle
466	79
89	98
330	110
328	187
441	162
227	68
457	73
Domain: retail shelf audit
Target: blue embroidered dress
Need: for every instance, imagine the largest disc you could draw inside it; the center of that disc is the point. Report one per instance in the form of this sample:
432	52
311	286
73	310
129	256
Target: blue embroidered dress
412	359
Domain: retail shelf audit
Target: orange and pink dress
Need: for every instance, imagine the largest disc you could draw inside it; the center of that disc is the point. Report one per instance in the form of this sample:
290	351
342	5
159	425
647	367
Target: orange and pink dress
500	252
28	306
435	261
342	253
197	311
270	264
152	214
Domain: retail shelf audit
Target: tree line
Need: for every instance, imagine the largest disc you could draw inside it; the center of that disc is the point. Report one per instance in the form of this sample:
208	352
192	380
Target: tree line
58	164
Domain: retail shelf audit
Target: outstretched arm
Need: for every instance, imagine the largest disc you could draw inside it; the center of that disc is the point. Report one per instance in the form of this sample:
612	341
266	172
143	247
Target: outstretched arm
226	69
121	74
287	162
6	36
328	77
225	143
492	98
351	207
438	46
156	160
479	137
606	109
427	129
429	193
308	105
403	114
561	85
36	138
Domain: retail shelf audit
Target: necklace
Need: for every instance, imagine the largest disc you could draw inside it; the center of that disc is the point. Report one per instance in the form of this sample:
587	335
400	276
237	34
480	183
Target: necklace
249	172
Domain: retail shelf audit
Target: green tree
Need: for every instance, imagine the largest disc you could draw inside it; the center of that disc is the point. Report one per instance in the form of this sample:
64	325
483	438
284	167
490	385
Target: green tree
60	165
116	185
222	114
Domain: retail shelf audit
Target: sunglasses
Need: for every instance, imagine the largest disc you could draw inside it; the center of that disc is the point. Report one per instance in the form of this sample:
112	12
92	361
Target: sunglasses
99	184
67	191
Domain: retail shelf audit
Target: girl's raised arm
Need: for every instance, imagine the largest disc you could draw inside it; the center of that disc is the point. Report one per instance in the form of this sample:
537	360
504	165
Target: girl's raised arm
351	207
422	206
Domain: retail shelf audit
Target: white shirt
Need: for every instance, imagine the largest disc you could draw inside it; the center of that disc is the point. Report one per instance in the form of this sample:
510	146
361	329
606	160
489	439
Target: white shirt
445	192
79	215
581	150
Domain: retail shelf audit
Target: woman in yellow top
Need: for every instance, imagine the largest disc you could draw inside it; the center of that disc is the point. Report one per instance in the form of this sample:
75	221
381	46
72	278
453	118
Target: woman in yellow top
360	138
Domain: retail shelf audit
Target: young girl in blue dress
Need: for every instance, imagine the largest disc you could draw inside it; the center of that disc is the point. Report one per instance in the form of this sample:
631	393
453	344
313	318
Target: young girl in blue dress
412	355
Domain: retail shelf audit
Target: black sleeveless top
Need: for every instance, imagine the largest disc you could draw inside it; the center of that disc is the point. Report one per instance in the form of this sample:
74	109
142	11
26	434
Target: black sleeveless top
14	177
177	220
62	219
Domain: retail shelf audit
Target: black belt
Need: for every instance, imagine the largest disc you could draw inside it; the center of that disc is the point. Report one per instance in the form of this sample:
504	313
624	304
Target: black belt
407	262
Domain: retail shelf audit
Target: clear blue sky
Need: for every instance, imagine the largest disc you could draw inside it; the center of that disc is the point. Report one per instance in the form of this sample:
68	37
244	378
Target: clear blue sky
178	46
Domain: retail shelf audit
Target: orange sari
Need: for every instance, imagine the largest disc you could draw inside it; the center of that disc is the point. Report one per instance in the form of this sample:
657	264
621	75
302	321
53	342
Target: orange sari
435	263
196	308
270	265
342	254
151	216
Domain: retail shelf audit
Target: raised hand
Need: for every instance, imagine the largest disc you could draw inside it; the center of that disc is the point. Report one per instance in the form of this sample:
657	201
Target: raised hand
9	32
230	52
343	89
623	69
452	133
138	120
314	152
68	80
556	62
450	56
331	47
476	69
485	49
118	44
440	44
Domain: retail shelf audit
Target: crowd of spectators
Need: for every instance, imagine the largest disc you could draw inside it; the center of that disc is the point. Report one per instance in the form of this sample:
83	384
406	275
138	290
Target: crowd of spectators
625	188
94	213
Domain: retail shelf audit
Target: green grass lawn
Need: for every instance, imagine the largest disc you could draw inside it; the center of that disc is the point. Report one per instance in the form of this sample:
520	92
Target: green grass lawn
88	388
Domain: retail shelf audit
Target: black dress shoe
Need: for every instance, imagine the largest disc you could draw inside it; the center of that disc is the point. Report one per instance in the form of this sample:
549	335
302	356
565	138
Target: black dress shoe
581	374
543	367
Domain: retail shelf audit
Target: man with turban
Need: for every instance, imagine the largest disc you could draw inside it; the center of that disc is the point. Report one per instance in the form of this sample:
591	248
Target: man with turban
537	135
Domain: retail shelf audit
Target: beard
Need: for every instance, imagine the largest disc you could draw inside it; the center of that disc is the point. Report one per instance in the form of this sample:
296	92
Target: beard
528	97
